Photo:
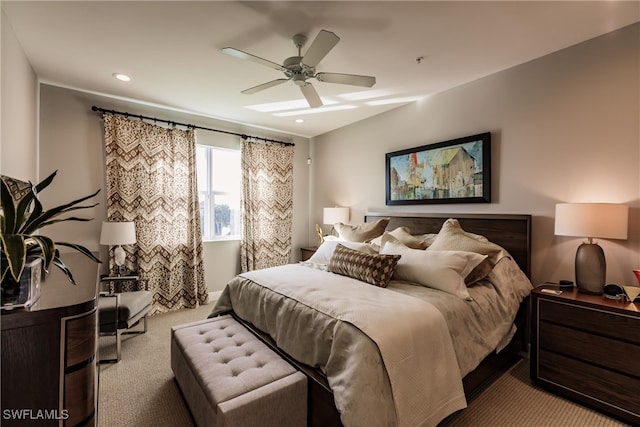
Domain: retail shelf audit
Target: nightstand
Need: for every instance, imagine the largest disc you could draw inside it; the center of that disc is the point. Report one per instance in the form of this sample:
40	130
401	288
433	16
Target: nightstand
306	253
587	348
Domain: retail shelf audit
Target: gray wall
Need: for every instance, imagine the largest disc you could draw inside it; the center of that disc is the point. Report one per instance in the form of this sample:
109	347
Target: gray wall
19	117
565	128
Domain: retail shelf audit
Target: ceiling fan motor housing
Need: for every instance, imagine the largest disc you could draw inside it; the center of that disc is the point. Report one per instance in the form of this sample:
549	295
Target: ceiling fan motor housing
297	71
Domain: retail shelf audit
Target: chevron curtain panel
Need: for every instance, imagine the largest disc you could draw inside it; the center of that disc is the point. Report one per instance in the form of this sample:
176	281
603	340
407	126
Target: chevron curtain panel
267	205
151	180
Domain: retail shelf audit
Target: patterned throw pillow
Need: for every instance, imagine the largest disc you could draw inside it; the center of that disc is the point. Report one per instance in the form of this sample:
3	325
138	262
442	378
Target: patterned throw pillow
374	269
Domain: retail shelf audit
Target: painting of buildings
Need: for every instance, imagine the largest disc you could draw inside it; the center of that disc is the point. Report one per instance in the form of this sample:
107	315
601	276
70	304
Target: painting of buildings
437	174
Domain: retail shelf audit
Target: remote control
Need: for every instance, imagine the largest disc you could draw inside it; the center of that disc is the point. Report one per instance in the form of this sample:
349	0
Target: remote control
551	291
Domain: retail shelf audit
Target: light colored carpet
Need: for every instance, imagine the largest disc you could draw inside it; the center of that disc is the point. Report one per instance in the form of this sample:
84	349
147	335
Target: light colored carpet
512	401
140	390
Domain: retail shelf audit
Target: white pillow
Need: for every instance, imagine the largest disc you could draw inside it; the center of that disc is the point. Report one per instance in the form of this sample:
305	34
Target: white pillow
404	236
443	270
324	252
362	232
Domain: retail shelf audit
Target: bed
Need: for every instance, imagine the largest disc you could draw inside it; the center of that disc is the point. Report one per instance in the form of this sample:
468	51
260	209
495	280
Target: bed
361	345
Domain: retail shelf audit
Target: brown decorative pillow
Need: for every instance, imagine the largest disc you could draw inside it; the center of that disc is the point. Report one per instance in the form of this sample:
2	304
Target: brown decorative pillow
374	269
363	232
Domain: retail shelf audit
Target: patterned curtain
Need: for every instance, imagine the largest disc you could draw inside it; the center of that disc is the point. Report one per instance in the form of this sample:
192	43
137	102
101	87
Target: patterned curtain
267	205
151	179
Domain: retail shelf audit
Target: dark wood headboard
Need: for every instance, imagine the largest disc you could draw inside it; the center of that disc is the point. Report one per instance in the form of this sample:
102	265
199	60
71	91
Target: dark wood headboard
512	232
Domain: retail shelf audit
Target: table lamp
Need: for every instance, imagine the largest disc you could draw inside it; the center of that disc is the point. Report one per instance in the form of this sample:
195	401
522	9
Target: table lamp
118	234
331	216
591	220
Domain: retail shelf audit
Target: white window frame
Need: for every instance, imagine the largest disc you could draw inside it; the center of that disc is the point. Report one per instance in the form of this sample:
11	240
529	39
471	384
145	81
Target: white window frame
209	194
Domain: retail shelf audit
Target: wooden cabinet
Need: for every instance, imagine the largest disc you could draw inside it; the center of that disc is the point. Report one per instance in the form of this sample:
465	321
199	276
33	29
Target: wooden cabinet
306	253
587	348
49	364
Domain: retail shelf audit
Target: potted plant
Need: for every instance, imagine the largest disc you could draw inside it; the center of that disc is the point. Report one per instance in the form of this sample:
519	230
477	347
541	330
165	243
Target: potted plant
23	247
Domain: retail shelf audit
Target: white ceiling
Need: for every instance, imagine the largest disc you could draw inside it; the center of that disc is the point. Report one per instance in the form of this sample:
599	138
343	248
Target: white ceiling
172	49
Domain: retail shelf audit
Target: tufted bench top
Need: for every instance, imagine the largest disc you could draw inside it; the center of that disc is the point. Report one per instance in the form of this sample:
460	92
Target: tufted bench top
227	355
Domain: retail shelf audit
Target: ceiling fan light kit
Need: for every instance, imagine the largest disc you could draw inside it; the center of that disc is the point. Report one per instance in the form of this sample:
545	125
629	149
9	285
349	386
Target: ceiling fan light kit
300	68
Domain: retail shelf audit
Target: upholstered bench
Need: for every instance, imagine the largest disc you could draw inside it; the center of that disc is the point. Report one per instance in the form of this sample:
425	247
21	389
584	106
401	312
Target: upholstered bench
229	377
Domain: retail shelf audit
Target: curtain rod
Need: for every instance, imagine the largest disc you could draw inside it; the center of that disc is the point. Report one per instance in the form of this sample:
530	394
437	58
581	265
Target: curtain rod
172	123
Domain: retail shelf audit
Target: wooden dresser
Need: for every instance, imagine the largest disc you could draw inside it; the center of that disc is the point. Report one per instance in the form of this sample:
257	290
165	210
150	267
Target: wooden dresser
49	363
587	348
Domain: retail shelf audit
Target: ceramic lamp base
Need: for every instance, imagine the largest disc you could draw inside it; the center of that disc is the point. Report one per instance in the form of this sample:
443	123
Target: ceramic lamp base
590	268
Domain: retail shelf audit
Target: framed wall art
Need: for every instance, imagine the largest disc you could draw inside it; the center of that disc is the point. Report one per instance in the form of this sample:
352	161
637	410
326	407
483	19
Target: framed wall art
454	171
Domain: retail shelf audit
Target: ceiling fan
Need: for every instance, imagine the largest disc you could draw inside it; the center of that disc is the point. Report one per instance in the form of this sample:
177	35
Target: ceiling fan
300	68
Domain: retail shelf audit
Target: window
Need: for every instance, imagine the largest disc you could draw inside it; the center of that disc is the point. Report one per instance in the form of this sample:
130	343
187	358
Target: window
219	180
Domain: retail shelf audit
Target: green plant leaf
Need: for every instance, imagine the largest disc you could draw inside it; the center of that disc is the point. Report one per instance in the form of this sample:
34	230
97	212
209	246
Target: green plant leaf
45	182
47	249
8	210
28	216
86	252
72	218
30	199
14	248
58	263
35	223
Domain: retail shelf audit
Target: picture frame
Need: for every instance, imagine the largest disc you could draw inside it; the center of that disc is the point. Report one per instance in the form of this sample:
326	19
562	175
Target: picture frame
453	171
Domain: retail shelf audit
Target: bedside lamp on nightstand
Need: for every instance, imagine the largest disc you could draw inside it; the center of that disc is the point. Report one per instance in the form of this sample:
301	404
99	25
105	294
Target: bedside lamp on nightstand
332	216
603	220
118	234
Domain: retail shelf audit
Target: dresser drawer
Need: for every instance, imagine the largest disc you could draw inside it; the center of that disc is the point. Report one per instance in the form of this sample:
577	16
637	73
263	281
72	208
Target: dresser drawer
599	350
81	339
609	390
593	320
79	394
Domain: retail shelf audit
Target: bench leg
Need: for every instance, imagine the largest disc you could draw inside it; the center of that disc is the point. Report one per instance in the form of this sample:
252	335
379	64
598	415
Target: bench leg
118	335
142	331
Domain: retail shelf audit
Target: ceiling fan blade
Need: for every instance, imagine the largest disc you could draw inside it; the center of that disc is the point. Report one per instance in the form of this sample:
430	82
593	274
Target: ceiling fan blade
322	44
264	86
311	95
346	79
244	55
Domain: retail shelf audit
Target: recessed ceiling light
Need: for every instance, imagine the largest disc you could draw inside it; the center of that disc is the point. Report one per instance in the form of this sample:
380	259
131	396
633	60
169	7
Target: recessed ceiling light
122	77
299	121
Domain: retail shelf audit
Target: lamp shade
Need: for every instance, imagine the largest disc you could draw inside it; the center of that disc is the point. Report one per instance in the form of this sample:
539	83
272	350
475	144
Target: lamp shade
335	215
118	233
603	220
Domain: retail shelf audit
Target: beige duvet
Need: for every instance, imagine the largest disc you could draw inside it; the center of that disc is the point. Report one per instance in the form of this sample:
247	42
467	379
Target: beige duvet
394	356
